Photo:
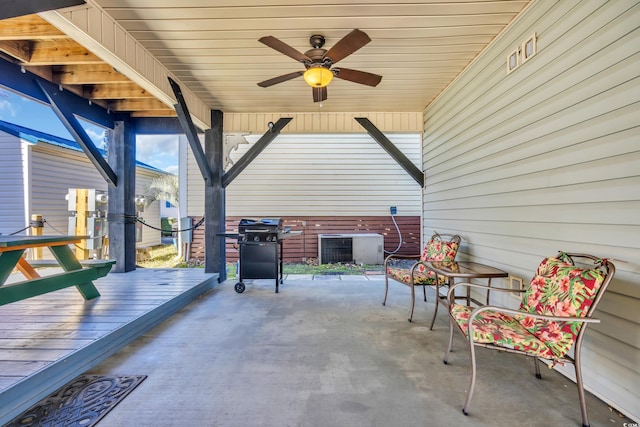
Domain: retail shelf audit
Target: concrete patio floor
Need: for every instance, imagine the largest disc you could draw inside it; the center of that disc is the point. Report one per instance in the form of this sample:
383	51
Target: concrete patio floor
325	352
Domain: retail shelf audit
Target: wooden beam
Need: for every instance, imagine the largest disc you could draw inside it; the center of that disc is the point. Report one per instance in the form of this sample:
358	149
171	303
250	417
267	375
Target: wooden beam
158	126
27	28
45	71
52	52
392	150
76	130
255	150
18	49
88	74
154	113
115	91
190	131
137	104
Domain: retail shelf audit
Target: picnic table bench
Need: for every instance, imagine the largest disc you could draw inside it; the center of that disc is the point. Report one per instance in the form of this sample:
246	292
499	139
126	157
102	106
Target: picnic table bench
75	273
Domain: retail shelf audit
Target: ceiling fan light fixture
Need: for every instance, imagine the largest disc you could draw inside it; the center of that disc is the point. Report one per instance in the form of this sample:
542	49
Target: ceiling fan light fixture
318	76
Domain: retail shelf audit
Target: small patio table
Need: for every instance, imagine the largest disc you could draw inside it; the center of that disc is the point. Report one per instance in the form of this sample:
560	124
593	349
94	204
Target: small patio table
461	270
11	250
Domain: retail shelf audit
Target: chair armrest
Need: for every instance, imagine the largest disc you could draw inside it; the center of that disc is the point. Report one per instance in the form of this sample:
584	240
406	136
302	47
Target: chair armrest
451	291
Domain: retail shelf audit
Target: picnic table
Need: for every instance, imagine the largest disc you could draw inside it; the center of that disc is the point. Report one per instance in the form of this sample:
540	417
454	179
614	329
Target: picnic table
75	274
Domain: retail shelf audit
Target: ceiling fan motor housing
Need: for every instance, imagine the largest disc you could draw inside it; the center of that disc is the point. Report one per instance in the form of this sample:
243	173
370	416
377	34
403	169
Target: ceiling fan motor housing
316	41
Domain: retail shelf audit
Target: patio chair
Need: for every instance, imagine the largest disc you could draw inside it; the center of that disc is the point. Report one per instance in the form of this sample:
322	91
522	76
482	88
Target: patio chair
411	270
551	319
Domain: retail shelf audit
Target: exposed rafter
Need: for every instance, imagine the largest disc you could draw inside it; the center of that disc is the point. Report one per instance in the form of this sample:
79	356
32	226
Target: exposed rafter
47	52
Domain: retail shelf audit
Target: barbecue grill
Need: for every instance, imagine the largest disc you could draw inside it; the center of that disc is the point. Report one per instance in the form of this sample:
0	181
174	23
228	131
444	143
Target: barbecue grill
260	244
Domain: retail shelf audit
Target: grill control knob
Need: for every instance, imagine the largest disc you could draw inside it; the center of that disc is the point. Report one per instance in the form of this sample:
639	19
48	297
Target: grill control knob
256	238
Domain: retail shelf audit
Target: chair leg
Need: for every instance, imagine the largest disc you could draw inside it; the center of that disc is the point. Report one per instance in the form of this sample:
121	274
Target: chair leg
413	301
580	385
424	291
386	288
446	355
435	311
536	364
472	382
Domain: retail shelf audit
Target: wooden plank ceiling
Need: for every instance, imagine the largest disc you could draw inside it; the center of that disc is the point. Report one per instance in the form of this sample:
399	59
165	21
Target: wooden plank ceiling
419	47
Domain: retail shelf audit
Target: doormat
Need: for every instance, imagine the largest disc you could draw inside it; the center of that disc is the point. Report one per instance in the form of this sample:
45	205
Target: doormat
82	402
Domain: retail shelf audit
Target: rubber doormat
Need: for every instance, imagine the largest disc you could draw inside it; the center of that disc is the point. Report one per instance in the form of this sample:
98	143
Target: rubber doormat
82	402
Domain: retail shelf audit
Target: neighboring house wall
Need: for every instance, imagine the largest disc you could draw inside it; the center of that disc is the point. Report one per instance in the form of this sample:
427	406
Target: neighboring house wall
547	158
13	161
151	214
55	170
52	170
323	179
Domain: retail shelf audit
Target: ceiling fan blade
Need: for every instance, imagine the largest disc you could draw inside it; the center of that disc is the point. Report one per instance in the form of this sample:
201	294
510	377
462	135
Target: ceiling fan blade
319	93
280	79
356	76
347	45
284	48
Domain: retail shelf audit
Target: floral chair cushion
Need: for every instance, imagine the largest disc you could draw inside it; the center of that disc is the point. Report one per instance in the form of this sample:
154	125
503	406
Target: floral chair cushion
419	277
492	327
435	250
558	289
439	250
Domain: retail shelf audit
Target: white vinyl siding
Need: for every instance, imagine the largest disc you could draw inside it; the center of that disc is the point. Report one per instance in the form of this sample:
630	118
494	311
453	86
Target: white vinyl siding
13	161
547	158
318	175
55	170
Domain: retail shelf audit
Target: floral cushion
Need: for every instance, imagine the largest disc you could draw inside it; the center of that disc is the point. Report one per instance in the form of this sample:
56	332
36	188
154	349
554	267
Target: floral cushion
492	327
558	289
420	278
435	250
438	250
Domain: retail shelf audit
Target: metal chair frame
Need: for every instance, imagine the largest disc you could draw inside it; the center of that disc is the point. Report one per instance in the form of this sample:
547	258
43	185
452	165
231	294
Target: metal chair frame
445	238
609	271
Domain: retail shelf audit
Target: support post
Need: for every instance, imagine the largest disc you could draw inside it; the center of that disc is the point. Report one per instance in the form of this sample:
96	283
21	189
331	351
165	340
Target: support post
215	210
36	230
122	210
82	208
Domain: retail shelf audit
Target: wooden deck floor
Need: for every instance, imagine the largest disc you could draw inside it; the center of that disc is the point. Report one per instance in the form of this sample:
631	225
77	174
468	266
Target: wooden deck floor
48	340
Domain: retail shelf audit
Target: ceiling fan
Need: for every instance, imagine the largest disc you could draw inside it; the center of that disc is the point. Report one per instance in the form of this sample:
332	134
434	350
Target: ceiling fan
319	62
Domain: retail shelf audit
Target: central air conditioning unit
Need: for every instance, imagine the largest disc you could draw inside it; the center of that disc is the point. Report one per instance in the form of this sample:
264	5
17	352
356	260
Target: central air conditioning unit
365	248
